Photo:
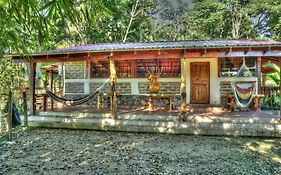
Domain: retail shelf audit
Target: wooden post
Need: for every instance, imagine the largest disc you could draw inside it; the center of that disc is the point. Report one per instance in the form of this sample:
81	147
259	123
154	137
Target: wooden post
32	88
89	65
263	83
150	103
52	86
280	90
171	102
113	88
219	67
10	115
258	74
25	108
98	101
183	90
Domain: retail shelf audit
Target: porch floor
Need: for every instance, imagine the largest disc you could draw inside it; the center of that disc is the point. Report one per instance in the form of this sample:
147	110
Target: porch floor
216	122
205	111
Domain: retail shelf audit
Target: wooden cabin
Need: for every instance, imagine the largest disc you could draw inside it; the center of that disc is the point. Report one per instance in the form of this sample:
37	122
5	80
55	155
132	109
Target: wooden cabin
156	86
195	72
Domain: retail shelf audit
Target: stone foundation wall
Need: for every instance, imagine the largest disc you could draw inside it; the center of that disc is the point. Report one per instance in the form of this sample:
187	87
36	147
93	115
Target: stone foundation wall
165	87
74	87
124	87
130	100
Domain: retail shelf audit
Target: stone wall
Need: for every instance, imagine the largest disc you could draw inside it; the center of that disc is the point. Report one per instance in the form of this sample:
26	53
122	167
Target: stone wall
77	85
74	87
130	100
225	88
95	85
165	87
75	90
75	70
123	87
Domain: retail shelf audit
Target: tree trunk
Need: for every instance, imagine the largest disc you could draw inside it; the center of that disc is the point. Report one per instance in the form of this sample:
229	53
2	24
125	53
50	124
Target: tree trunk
32	87
236	23
133	15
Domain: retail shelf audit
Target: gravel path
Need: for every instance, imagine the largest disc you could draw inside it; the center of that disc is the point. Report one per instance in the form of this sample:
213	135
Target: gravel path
55	151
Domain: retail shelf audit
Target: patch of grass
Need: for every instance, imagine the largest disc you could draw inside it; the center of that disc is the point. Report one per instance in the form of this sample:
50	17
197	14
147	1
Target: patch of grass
16	131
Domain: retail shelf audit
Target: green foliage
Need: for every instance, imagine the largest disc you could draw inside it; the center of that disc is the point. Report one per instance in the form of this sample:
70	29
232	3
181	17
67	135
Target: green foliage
272	101
275	75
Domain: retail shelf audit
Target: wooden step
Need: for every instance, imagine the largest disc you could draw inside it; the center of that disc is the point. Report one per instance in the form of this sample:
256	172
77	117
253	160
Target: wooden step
126	116
272	130
238	126
204	108
194	118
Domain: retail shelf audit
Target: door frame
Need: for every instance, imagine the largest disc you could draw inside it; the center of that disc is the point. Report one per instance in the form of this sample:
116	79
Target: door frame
209	82
214	79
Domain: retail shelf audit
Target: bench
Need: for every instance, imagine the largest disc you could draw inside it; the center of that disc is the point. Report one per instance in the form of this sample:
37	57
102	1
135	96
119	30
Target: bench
256	102
41	101
169	97
102	96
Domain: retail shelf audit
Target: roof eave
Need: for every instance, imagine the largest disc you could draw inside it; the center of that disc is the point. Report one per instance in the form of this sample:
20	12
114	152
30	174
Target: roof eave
145	49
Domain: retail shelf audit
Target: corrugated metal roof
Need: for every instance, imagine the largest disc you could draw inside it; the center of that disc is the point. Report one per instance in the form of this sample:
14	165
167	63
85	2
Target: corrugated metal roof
191	44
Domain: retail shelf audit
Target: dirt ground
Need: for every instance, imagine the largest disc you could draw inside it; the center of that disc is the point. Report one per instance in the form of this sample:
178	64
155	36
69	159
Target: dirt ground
58	151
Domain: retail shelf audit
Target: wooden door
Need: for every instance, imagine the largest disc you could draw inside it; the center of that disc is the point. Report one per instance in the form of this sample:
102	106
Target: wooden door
200	82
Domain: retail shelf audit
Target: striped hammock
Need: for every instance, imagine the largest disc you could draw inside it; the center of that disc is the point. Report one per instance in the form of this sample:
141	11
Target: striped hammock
243	93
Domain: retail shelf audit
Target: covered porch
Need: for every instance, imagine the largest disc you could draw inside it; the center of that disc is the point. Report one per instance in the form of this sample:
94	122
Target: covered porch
194	75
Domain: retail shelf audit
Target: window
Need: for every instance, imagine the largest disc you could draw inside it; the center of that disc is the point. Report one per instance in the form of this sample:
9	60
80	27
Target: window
137	68
124	68
167	67
229	67
100	69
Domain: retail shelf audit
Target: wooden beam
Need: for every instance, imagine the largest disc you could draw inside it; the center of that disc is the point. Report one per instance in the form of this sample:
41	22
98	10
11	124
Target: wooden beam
102	56
32	72
134	68
10	115
219	67
113	98
258	73
25	108
151	54
52	86
89	65
198	54
138	54
183	90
